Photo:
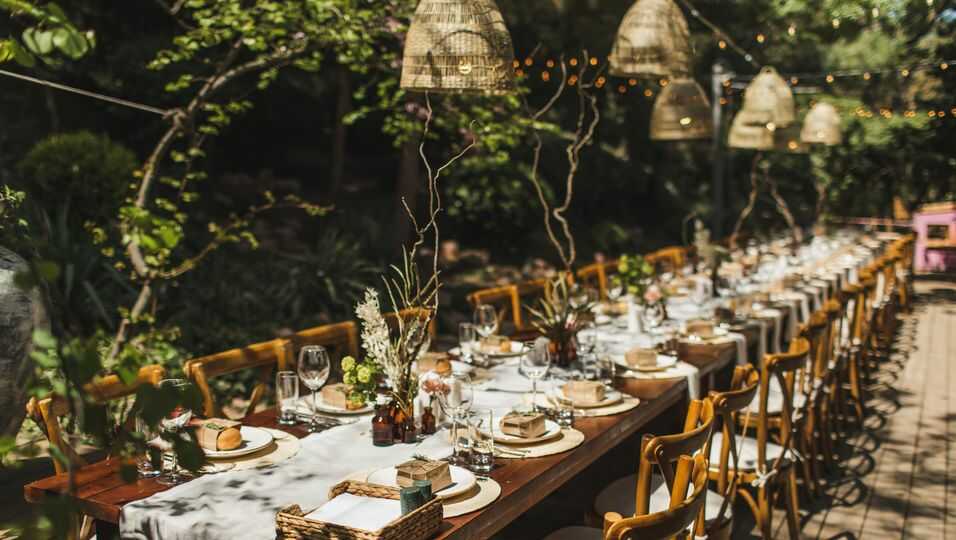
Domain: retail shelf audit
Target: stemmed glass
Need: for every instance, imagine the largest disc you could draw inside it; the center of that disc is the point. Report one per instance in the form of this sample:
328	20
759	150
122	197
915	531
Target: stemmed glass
486	320
615	290
314	369
172	424
535	364
653	315
457	400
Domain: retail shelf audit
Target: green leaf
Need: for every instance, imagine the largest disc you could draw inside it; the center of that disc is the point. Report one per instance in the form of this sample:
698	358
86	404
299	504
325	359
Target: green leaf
40	42
70	42
21	55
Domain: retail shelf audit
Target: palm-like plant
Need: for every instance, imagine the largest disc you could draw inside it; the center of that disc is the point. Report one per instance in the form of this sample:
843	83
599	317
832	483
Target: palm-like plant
560	315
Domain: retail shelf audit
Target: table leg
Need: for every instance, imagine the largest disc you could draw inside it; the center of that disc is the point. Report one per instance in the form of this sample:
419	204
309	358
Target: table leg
106	530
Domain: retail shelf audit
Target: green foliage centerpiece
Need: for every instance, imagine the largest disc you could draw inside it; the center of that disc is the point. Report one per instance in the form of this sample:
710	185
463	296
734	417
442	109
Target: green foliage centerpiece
559	317
635	275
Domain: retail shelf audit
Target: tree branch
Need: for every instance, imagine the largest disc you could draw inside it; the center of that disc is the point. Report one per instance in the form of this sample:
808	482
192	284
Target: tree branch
751	202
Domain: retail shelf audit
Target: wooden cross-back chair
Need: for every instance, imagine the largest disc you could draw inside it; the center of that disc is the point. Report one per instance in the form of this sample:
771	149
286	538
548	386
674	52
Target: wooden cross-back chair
411	315
768	464
266	358
505	300
724	456
598	275
668	259
340	339
677	519
48	413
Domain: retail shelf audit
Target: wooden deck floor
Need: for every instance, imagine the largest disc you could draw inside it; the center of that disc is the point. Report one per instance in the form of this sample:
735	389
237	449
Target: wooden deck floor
900	477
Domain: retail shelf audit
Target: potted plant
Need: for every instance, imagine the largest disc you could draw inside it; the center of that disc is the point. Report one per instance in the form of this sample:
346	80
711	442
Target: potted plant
559	317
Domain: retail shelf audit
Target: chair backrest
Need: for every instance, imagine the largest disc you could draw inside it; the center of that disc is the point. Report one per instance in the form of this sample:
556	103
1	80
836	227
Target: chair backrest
596	275
411	315
48	412
505	299
265	358
340	339
785	368
815	332
668	259
676	520
727	407
663	451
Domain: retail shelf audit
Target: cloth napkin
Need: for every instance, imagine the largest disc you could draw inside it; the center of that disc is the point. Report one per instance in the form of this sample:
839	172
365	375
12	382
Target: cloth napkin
364	513
681	369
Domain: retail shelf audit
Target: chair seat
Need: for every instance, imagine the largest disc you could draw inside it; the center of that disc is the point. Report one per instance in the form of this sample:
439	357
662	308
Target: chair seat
746	450
621	497
576	533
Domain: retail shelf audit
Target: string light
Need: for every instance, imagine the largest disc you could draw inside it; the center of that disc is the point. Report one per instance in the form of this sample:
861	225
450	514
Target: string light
573	62
545	76
594	60
722	44
866	76
528	61
794	81
663	82
761	38
632	82
621	89
519	72
549	63
572	80
829	78
792	30
600	81
944	66
648	92
836	23
515	64
905	72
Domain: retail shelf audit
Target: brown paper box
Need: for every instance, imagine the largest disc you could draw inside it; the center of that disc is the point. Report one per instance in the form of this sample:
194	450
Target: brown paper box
641	357
584	391
416	469
704	329
495	344
437	362
525	425
218	433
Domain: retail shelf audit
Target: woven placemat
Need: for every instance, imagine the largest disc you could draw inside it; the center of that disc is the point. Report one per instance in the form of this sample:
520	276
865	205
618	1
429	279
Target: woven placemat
569	440
284	446
485	492
627	403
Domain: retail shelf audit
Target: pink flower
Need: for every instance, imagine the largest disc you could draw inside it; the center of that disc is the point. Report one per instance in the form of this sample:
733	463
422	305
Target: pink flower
652	295
432	384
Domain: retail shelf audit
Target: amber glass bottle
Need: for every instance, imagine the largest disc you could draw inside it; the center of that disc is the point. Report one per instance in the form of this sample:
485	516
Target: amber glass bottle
383	427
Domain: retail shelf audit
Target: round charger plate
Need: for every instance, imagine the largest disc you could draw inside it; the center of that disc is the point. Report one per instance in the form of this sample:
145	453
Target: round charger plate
552	430
610	398
485	492
664	362
462	480
253	440
570	439
322	406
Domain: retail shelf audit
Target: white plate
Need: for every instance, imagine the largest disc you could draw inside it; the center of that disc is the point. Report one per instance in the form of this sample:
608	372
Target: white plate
305	406
551	430
461	480
663	362
253	440
610	398
517	349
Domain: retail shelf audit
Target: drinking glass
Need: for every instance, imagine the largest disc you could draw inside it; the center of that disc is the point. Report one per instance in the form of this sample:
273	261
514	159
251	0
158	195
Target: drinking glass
172	424
144	464
563	406
615	290
587	340
482	426
314	369
466	340
653	315
457	401
607	365
486	320
534	365
287	397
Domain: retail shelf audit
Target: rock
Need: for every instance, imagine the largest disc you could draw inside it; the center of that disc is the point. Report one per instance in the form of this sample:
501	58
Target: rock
20	313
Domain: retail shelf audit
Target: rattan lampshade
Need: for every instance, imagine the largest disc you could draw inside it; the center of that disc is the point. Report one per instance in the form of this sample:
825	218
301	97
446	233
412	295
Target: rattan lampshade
787	139
822	125
653	40
768	91
681	112
458	46
752	130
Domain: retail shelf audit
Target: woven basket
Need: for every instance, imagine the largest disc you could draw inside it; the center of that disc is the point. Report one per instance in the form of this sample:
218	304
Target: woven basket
681	112
458	46
653	40
421	524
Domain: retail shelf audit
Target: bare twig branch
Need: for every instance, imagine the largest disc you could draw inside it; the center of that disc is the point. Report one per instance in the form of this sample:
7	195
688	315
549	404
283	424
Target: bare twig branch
783	207
751	202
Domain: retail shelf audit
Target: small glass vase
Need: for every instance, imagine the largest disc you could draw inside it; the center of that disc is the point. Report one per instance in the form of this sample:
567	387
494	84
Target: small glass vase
563	351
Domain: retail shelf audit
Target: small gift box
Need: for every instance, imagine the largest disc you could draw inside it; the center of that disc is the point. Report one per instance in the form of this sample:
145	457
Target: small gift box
434	361
436	472
703	329
495	344
640	357
218	433
584	391
614	308
525	425
337	395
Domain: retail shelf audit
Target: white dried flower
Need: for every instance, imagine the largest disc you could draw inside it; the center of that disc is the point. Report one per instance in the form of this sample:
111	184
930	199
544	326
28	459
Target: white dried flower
375	337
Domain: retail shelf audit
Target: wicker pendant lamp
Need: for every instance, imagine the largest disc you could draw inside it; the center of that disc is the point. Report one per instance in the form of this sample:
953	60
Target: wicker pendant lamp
768	106
822	125
458	46
681	112
653	40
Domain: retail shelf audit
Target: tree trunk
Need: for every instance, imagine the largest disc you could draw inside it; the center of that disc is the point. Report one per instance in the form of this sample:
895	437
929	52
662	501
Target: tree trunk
343	106
20	314
409	187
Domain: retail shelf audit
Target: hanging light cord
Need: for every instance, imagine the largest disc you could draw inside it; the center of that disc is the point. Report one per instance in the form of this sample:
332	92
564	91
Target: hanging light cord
720	33
87	93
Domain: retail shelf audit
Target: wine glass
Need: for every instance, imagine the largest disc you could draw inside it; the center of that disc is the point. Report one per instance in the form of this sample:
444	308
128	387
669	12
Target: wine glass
534	365
653	315
457	400
172	424
466	340
615	290
314	369
486	320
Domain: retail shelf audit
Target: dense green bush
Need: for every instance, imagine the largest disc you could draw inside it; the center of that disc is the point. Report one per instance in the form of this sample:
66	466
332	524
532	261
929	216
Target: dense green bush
86	172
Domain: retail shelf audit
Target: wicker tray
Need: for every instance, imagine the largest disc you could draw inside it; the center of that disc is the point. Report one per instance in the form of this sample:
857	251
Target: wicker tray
421	524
